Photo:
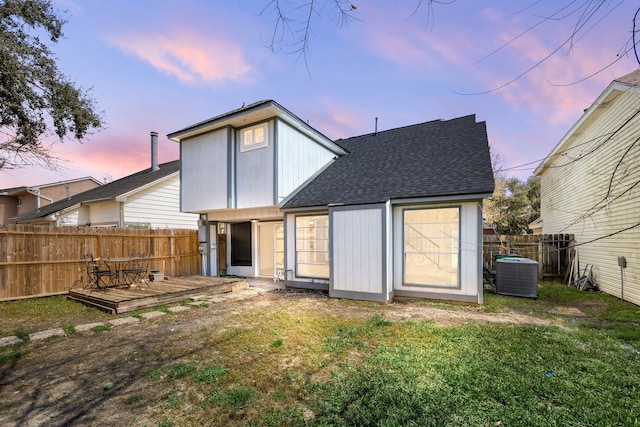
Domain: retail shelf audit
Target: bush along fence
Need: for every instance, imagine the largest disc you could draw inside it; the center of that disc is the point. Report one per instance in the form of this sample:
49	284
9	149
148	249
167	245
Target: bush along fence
551	251
43	260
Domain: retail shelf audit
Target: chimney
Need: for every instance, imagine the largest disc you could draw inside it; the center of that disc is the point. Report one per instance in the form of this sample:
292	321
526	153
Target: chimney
154	151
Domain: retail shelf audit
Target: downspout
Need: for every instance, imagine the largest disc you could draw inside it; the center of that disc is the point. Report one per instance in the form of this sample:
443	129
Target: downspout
36	192
121	215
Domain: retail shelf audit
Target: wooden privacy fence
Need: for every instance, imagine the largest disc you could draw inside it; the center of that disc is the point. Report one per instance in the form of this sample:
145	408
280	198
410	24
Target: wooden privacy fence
552	251
43	260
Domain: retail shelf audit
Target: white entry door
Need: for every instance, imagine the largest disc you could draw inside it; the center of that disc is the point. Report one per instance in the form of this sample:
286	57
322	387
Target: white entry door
271	248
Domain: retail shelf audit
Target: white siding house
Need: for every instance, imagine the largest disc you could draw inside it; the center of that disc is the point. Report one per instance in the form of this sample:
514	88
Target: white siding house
147	199
589	188
395	213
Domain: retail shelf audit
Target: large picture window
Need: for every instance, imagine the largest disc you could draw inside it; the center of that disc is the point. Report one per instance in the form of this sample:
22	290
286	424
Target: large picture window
312	246
431	246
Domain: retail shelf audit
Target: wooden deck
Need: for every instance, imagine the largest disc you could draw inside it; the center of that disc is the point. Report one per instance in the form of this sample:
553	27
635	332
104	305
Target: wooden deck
174	289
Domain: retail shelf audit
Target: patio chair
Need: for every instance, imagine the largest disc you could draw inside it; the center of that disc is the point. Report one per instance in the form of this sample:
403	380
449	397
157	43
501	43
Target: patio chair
99	274
136	269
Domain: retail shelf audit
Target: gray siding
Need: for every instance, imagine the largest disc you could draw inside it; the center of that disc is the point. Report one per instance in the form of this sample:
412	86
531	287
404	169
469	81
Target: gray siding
254	172
358	253
298	158
204	172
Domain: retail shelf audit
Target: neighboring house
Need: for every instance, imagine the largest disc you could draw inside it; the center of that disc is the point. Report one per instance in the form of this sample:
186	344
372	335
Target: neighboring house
589	188
19	200
147	199
393	213
536	226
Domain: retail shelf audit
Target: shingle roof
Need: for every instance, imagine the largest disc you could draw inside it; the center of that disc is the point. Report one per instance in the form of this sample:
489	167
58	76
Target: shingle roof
633	78
438	158
105	192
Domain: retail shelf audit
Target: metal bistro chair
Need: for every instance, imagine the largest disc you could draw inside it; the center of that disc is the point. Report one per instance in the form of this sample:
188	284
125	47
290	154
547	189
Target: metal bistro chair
99	273
136	269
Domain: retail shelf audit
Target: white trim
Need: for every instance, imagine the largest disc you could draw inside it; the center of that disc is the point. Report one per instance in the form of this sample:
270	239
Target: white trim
598	103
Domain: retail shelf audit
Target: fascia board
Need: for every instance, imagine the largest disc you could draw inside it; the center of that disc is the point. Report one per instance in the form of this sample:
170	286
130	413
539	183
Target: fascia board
438	199
259	112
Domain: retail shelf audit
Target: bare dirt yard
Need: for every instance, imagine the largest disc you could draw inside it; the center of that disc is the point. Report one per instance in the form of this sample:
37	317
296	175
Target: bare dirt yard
84	378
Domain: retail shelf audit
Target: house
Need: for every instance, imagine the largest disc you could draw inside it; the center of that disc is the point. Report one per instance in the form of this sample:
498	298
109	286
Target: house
391	213
18	200
589	188
147	199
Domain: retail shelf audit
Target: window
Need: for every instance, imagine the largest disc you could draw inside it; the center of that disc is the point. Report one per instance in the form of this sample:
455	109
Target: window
431	246
254	137
312	246
20	201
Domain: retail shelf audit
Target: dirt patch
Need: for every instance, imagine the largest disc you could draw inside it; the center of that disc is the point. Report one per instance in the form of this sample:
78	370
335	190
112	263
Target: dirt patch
86	378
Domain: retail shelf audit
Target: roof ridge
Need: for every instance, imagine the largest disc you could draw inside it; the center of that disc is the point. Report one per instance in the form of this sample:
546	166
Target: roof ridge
399	128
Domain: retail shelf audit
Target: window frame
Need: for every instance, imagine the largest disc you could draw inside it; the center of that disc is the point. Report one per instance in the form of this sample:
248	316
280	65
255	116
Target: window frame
263	127
456	255
298	250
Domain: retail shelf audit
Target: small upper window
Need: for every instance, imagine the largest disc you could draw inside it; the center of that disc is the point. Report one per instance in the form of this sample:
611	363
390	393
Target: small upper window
254	137
20	201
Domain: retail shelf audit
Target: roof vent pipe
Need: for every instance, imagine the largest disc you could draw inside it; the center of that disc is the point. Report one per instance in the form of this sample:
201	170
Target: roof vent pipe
154	151
376	126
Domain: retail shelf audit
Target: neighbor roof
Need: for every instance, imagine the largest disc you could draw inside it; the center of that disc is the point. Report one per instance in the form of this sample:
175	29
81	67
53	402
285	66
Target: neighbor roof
106	192
20	190
633	78
438	158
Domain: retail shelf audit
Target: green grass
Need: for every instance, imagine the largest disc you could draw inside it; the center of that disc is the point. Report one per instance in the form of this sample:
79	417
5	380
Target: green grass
180	370
234	398
210	375
346	371
351	368
478	375
36	314
7	356
277	343
132	400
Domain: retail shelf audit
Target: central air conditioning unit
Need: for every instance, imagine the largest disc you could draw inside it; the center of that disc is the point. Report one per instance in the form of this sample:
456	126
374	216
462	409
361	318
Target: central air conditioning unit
517	277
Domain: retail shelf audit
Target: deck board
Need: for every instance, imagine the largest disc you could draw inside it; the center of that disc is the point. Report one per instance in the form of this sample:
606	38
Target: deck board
174	289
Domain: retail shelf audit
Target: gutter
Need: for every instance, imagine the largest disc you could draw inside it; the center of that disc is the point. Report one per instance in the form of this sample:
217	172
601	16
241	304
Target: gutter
36	192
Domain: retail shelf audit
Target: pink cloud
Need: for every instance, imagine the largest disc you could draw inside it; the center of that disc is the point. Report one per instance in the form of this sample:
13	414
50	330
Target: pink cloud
548	89
191	57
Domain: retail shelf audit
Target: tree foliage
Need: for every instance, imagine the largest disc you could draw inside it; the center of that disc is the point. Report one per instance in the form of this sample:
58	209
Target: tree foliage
37	101
514	205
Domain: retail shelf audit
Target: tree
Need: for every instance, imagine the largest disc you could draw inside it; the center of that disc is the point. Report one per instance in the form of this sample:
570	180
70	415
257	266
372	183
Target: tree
513	205
37	101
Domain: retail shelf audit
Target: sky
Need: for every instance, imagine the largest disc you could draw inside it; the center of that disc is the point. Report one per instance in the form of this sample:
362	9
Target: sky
162	65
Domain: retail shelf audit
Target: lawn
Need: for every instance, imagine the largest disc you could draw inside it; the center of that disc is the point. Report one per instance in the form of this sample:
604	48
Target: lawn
284	364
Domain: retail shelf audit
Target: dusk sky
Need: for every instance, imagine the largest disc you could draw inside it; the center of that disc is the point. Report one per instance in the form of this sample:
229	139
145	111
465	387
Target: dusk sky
161	65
